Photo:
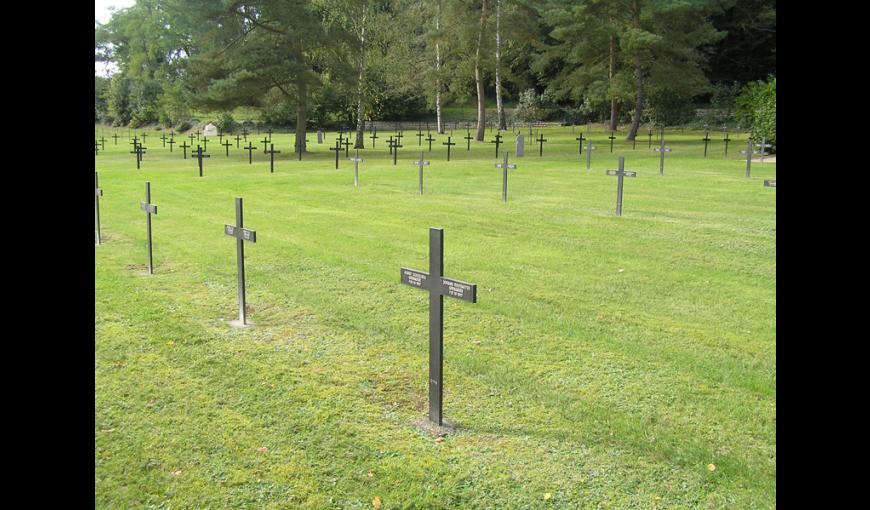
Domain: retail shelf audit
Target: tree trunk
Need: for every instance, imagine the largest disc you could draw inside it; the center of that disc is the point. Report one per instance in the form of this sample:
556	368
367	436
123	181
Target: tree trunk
440	127
502	123
301	115
360	123
638	108
614	108
478	79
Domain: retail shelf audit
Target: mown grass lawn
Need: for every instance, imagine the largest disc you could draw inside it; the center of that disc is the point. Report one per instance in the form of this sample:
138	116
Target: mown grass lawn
610	362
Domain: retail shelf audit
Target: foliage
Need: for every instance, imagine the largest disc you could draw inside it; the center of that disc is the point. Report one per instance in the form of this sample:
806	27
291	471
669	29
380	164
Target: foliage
225	122
101	103
756	108
669	107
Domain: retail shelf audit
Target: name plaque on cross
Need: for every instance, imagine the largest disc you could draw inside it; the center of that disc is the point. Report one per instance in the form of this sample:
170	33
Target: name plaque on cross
770	183
241	234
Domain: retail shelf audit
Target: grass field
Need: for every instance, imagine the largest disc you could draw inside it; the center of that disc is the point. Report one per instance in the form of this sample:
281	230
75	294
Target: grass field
610	362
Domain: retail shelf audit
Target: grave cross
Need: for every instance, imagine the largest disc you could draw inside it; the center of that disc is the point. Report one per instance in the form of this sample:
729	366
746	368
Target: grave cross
347	145
419	137
238	139
199	156
395	146
726	140
149	209
449	144
649	134
184	147
580	139
430	140
421	164
438	286
163	137
748	153
96	147
300	148
270	134
706	138
505	167
138	150
390	144
770	183
220	136
336	149
197	136
497	142
374	137
356	161
589	149
143	137
204	143
171	142
265	142
541	140
115	136
662	150
97	194
399	136
227	145
191	139
102	142
241	234
250	148
612	138
761	148
271	154
620	174
469	138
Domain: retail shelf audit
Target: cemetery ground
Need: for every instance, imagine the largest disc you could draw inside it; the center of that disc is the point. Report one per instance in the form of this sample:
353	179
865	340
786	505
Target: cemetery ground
609	362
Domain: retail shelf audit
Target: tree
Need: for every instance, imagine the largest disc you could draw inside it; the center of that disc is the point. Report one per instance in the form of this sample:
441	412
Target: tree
756	107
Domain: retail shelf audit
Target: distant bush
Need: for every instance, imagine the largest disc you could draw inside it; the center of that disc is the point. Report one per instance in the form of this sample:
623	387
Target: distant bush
225	122
184	125
756	107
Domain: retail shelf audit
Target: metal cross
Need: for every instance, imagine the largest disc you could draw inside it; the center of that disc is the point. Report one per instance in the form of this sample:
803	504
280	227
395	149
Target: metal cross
115	136
394	145
199	156
726	139
505	167
163	137
336	149
430	140
541	140
227	145
497	142
192	137
204	143
149	209
171	142
419	137
770	183
184	147
96	147
421	164
469	138
356	161
347	144
612	138
271	154
250	148
438	286
238	139
580	139
748	153
97	194
241	234
662	150
102	142
265	142
374	137
706	138
589	149
620	174
449	144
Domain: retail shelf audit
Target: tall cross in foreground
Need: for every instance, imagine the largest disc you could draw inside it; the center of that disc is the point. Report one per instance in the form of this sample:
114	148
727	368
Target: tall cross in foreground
620	174
580	139
438	286
505	167
97	194
421	164
356	161
149	209
271	154
250	148
241	234
199	156
662	150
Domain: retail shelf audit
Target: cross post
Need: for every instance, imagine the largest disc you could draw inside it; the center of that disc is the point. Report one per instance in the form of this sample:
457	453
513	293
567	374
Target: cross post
449	144
726	140
97	194
706	138
199	156
336	149
580	139
541	140
421	164
620	174
171	142
184	147
505	167
356	161
250	148
149	209
497	142
469	138
374	137
241	234
612	138
227	145
271	154
430	140
662	150
748	153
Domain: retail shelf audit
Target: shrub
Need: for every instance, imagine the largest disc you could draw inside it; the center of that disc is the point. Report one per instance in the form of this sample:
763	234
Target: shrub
756	107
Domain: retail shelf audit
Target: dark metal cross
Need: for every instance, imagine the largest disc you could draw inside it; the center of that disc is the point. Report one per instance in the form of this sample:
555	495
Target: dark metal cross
184	147
171	142
468	139
238	139
271	154
220	136
204	143
394	144
580	139
356	161
97	194
541	140
419	137
241	234
102	142
449	144
149	209
143	137
620	174
250	148
421	164
706	138
337	148
199	156
390	144
115	136
497	142
726	140
347	144
197	136
374	137
430	140
163	137
270	134
265	142
192	137
245	133
227	146
662	150
138	150
438	286
612	138
399	136
96	147
505	167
